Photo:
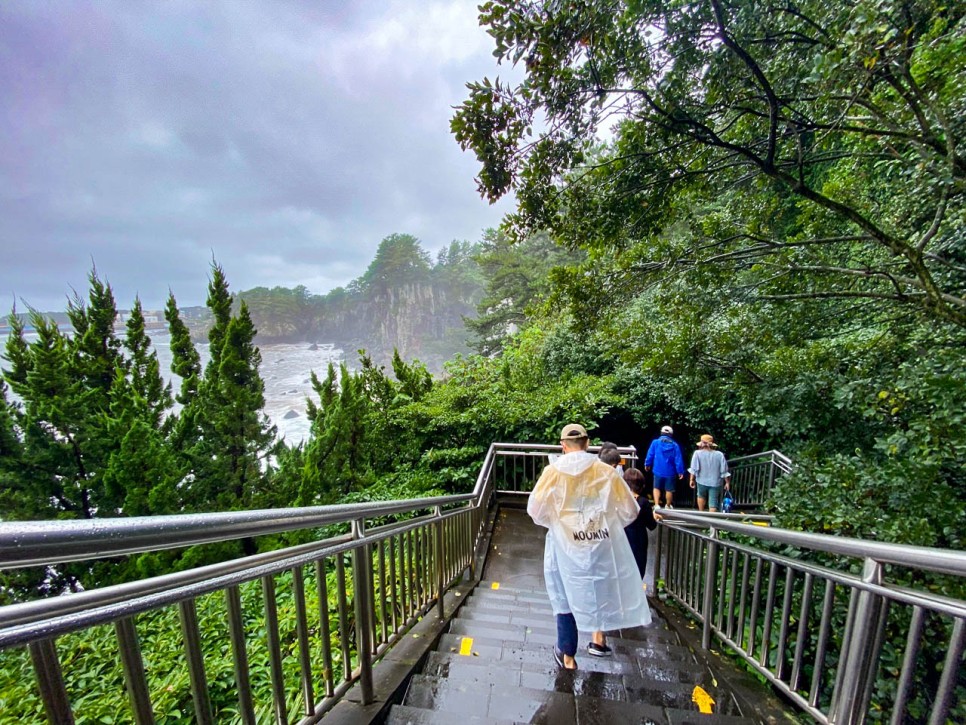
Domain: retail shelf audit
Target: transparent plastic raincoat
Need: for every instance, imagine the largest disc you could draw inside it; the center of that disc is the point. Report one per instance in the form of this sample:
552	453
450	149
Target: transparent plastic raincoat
588	563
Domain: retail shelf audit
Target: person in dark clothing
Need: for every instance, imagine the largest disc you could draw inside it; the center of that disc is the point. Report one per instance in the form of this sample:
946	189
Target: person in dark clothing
646	520
610	455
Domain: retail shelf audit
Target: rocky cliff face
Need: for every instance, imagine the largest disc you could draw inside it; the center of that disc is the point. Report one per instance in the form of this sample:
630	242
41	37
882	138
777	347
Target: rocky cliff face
422	320
404	301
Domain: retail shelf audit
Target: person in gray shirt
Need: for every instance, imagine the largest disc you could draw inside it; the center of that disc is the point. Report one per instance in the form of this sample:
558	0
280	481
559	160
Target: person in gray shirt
709	472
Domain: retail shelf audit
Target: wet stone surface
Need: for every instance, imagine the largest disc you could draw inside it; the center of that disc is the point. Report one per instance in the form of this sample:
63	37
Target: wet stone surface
495	665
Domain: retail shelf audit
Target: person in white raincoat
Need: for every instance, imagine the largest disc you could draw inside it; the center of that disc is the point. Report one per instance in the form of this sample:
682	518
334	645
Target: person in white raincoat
591	575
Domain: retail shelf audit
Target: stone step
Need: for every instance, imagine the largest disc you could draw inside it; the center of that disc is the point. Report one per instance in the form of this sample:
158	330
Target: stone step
524	599
508	615
519	652
504	588
538	675
477	599
517	600
406	715
693	717
660	683
652	649
492	700
521	596
538	594
507	632
577	697
594	711
657	648
544	621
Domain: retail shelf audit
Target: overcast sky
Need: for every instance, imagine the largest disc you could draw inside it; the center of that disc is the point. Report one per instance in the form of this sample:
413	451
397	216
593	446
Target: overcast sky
284	138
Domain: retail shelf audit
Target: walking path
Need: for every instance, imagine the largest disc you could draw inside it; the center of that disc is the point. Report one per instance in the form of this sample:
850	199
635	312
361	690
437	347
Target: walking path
495	665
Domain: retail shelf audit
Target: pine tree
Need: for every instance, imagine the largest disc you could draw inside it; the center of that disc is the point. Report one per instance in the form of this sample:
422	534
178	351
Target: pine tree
185	361
58	445
146	382
96	350
219	302
227	455
11	456
336	459
242	432
141	474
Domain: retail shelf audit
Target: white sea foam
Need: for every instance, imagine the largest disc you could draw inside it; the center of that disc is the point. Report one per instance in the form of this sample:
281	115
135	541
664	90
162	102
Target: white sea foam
286	370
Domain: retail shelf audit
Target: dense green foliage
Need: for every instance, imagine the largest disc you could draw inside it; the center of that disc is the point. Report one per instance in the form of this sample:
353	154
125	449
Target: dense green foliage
775	230
768	245
94	678
517	281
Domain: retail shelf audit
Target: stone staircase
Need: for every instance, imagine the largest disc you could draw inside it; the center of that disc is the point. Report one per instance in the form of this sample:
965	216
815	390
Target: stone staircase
495	664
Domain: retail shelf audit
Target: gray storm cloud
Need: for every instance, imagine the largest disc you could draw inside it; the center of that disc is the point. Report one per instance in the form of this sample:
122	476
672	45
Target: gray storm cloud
285	139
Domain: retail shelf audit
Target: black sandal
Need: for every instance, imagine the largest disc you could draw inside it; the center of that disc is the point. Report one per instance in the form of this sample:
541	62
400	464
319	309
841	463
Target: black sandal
558	657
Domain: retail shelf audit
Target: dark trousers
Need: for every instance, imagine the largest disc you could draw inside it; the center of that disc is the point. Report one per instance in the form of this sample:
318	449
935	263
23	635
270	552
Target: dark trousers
567	634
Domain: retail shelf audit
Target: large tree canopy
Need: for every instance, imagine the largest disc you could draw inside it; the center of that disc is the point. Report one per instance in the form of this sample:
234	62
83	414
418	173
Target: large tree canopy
814	149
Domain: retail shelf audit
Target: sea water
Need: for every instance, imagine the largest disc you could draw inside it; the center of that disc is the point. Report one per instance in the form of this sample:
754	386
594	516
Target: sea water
286	369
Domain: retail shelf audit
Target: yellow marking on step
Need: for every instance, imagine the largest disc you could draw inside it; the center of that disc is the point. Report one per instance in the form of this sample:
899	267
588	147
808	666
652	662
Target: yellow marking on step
703	700
760	523
466	646
495	585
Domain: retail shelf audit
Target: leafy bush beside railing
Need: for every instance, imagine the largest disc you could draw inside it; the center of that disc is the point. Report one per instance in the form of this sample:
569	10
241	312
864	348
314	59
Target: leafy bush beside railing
95	681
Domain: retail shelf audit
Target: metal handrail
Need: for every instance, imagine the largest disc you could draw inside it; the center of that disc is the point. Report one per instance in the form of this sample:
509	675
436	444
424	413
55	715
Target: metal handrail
774	455
32	543
943	561
757	601
397	573
824	656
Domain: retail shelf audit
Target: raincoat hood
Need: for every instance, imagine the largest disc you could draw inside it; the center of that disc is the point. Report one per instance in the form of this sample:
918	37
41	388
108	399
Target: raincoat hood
574	463
664	454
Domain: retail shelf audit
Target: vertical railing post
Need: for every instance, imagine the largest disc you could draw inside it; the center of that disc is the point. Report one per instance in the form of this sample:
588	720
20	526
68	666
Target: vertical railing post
361	566
710	571
50	679
133	666
771	478
660	567
188	614
861	653
440	565
474	536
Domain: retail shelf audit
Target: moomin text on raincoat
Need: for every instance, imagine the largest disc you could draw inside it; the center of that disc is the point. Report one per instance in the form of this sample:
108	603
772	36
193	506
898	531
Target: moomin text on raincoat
588	564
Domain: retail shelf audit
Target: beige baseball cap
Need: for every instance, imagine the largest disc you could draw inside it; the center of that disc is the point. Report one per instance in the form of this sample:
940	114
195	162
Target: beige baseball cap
573	432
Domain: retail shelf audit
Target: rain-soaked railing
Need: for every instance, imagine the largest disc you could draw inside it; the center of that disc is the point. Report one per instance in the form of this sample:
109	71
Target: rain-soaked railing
281	636
269	637
752	477
274	636
518	466
848	629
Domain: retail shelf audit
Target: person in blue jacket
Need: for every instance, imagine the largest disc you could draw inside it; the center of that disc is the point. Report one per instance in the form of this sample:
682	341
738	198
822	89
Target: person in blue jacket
665	459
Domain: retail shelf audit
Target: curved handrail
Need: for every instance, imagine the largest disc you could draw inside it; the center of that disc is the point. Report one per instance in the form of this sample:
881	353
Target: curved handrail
772	456
31	543
943	561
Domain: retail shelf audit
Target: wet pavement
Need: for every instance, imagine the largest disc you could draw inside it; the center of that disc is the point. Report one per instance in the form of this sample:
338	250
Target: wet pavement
495	664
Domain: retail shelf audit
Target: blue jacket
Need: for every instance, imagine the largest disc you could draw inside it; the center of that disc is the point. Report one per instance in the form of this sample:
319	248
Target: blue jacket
664	457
